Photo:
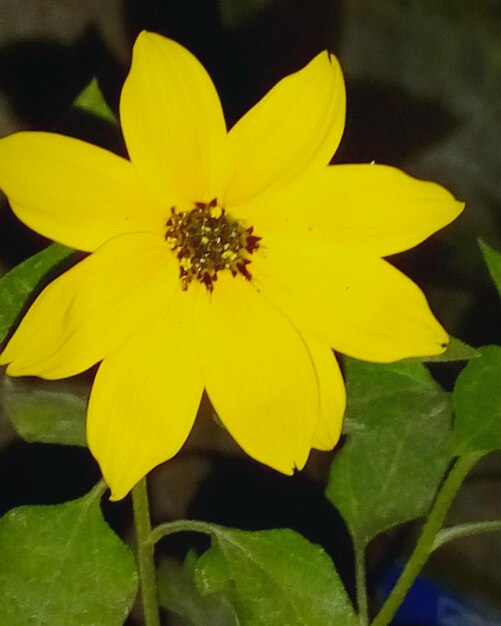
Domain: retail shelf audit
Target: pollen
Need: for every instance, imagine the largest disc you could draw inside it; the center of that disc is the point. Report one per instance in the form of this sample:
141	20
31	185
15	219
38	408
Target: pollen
207	240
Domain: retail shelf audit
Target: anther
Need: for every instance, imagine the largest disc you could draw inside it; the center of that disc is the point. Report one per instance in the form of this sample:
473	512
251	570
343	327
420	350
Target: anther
207	240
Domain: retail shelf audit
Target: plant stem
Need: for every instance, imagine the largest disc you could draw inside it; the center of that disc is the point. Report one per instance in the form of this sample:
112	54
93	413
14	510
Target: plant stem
361	584
184	525
430	530
464	530
145	554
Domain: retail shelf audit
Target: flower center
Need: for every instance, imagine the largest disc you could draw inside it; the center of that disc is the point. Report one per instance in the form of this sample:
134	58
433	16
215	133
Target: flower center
207	240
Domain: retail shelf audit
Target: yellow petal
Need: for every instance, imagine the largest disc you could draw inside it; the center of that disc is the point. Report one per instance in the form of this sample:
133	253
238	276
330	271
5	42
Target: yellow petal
258	374
374	209
93	308
71	191
172	121
332	395
145	398
359	306
297	126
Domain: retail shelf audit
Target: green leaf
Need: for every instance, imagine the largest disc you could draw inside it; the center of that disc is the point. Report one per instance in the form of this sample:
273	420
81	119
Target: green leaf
63	565
46	412
398	449
493	261
273	578
17	286
373	380
457	350
477	403
92	100
179	594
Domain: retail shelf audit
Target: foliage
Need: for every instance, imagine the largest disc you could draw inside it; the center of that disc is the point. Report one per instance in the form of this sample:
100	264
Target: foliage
62	564
273	578
388	471
179	594
17	287
46	412
91	100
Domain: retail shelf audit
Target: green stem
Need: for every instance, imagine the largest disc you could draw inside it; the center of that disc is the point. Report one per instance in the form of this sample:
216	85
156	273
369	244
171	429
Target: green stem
361	584
145	554
430	530
464	530
184	525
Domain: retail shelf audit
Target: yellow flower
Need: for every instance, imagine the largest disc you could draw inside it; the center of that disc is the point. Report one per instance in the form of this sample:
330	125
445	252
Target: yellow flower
226	261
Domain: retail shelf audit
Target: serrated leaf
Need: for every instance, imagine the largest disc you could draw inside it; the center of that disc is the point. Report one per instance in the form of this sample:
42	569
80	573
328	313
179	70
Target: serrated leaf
477	403
178	594
63	566
492	259
398	448
273	578
17	285
92	100
46	412
457	350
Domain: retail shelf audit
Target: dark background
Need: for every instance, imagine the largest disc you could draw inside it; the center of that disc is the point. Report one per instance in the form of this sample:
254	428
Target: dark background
424	94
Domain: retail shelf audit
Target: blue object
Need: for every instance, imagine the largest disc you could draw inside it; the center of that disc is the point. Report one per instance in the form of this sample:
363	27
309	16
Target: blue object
431	604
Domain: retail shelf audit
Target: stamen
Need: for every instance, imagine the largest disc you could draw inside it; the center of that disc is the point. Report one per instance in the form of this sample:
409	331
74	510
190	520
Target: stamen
207	240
